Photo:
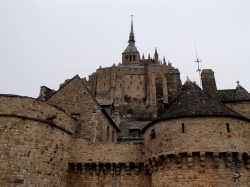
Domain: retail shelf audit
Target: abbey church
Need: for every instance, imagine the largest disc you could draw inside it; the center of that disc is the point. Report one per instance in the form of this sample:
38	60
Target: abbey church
131	124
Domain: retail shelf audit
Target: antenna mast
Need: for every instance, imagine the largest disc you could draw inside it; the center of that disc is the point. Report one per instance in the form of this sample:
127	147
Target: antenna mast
198	62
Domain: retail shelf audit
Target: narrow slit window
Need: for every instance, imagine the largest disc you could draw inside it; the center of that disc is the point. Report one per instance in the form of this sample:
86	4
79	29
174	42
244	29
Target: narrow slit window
152	135
107	132
228	129
113	136
182	128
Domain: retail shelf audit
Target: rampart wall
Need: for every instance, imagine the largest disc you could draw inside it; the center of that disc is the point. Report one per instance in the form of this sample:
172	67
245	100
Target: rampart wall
198	169
107	164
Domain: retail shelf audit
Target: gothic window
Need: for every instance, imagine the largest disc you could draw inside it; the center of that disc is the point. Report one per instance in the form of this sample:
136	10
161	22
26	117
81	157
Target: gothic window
134	57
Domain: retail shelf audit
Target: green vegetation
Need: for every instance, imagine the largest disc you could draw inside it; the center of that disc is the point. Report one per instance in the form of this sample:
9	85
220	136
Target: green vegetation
128	99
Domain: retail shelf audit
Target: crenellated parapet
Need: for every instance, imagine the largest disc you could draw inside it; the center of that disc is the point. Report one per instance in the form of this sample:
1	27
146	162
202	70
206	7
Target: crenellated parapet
200	168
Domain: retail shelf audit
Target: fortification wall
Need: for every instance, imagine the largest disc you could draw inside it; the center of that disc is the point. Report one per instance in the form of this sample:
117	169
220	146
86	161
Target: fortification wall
107	164
106	152
196	134
200	169
242	107
34	142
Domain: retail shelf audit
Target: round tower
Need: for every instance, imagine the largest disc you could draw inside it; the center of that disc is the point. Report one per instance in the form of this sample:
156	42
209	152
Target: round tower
198	141
34	141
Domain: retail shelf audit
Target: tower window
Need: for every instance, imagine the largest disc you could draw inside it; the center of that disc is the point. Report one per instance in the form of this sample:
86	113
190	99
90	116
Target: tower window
152	135
134	57
107	132
113	136
126	57
130	58
228	129
183	128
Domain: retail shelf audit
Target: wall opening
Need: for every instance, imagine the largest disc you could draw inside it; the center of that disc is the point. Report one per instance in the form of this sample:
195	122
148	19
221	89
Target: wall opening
152	135
182	128
107	132
228	129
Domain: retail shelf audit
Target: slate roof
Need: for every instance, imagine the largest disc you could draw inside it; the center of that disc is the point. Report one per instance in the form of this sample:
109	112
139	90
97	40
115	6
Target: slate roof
126	126
131	48
191	102
106	102
234	95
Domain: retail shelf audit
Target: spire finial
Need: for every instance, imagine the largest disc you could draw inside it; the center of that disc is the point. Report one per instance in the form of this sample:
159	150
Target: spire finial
131	35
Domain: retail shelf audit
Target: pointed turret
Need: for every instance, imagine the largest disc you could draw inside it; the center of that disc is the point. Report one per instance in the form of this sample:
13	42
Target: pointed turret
164	61
156	56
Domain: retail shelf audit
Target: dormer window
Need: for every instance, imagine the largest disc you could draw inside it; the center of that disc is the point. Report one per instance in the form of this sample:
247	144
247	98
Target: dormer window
134	133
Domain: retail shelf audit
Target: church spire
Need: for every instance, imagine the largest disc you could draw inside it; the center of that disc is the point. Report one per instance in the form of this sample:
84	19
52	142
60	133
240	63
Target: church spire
131	35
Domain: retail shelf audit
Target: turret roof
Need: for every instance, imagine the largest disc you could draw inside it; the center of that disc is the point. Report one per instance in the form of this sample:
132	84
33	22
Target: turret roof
191	102
131	46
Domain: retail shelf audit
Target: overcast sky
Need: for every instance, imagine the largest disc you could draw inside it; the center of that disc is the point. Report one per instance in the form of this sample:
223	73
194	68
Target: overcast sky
44	42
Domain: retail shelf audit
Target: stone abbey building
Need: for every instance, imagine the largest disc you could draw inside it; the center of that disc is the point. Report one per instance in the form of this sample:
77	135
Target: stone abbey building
96	133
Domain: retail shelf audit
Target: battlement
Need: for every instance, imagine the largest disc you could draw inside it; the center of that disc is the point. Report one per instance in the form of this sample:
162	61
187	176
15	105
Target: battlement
194	159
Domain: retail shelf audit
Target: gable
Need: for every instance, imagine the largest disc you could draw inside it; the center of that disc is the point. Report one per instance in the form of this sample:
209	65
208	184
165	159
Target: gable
73	97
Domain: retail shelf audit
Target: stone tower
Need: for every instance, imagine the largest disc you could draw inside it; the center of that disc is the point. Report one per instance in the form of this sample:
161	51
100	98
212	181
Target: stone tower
131	55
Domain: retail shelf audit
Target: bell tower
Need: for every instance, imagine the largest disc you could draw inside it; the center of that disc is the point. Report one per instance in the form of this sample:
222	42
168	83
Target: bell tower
131	56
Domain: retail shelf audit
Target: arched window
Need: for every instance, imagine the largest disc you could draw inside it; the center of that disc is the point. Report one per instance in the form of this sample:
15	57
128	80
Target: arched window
134	57
130	58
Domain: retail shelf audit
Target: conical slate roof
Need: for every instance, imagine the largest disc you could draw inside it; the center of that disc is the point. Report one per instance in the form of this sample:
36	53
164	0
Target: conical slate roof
193	101
131	48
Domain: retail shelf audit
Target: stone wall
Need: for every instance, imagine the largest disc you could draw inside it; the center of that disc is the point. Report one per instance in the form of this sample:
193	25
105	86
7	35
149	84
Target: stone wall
76	100
94	152
200	169
107	164
34	142
198	134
